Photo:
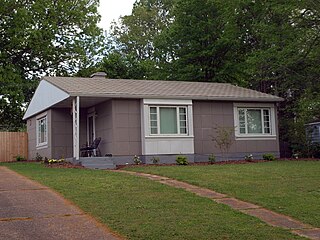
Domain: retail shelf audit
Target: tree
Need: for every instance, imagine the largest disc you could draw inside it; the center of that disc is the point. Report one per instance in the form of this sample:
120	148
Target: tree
137	36
40	37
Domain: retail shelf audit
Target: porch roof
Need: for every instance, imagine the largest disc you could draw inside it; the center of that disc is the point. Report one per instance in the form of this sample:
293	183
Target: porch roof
127	88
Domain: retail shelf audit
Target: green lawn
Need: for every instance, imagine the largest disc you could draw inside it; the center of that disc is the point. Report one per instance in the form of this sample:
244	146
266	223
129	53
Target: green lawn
288	187
139	208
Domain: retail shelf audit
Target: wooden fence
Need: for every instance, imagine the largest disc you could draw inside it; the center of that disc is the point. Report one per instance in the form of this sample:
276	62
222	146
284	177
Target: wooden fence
13	144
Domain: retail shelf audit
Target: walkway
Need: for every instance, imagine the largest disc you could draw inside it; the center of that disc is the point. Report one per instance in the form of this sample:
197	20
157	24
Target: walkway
29	210
269	217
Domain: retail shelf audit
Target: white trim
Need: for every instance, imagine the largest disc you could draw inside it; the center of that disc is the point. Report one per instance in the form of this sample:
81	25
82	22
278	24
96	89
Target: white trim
166	143
177	123
270	107
93	115
38	119
76	127
45	96
166	102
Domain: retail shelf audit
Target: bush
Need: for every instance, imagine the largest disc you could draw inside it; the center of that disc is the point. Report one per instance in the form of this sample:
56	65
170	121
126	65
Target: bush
268	157
182	160
155	160
38	157
212	158
248	157
20	158
136	159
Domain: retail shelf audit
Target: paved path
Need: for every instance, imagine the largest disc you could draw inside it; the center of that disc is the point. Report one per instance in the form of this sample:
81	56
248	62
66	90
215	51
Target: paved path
29	210
270	217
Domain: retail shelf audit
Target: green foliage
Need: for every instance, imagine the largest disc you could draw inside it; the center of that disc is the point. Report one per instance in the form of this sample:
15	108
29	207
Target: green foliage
248	157
20	158
223	138
39	157
155	160
212	158
269	157
182	160
41	37
136	159
270	46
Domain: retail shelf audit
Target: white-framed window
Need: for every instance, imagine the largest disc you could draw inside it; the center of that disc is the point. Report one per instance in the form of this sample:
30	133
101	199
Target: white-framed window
168	120
42	131
254	121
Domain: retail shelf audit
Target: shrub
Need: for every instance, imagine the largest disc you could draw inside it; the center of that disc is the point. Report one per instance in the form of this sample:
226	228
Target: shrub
136	159
20	158
38	157
182	160
212	158
248	157
155	160
269	157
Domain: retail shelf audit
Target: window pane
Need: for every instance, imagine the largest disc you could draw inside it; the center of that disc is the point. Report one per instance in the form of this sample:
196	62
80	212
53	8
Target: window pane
183	130
153	120
254	121
42	130
242	121
168	121
154	130
153	110
266	121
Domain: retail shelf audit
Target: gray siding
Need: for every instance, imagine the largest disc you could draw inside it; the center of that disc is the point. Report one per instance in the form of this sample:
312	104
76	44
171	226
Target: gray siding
210	114
61	133
104	126
126	127
44	151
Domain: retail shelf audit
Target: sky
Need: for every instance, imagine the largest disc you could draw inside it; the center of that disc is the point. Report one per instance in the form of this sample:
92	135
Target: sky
113	9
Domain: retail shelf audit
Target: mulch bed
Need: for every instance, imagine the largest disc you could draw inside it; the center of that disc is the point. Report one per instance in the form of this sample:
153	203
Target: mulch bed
62	165
218	163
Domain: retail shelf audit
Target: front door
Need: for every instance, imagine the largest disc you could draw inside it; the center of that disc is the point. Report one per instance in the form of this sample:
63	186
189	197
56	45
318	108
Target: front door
91	128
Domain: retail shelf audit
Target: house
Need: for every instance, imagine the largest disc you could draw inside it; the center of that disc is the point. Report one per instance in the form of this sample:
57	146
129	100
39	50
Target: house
148	118
313	132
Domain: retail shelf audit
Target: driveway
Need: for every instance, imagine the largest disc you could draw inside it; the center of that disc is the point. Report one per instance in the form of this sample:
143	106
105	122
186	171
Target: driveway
29	210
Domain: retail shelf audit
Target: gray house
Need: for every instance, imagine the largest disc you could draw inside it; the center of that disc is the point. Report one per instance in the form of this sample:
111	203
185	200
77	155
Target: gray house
148	118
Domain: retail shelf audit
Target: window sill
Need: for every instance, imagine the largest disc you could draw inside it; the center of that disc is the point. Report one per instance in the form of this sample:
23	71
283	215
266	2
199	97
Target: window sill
256	137
42	146
169	136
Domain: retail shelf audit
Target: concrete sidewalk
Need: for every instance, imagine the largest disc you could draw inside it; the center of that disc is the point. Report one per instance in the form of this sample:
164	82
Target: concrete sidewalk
29	210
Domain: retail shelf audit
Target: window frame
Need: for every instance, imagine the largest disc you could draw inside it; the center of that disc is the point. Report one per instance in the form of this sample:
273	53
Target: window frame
178	122
38	132
261	107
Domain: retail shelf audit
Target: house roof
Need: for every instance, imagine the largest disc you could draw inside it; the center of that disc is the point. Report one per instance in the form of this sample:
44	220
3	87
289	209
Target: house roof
125	88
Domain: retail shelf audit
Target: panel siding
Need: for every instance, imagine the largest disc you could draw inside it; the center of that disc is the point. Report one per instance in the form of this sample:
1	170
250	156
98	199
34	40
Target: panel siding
62	146
104	127
126	117
45	151
210	114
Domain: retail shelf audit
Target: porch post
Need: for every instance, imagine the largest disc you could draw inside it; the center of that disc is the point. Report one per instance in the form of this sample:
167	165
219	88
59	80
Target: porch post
76	127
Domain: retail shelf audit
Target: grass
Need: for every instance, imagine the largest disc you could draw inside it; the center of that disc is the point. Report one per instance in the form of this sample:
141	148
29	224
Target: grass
288	187
139	208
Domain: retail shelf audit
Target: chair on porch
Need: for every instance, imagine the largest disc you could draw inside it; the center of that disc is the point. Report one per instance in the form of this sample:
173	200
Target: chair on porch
92	150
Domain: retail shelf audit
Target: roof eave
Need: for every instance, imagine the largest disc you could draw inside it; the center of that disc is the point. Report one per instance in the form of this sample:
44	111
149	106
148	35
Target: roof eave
136	96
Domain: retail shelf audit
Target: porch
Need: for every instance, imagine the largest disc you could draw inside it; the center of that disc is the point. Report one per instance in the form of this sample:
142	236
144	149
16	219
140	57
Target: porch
94	162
